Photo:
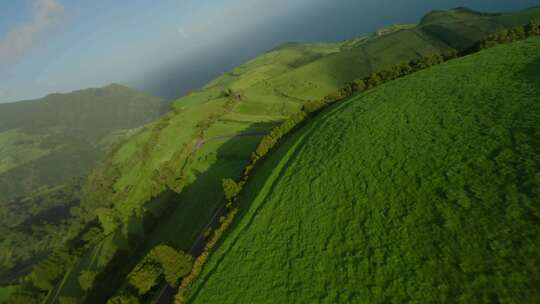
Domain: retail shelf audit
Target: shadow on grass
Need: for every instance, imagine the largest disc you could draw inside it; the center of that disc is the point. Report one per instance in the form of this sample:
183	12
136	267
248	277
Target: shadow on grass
261	175
532	72
185	216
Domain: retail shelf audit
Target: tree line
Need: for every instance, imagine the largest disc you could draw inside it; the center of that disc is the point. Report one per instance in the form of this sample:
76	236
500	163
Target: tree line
161	262
199	261
509	35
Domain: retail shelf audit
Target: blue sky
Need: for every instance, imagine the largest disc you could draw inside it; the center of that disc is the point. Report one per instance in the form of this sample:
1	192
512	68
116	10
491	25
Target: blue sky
89	43
170	46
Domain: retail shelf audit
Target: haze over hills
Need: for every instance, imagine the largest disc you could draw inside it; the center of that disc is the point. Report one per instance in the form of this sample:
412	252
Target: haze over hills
47	148
185	74
75	128
442	158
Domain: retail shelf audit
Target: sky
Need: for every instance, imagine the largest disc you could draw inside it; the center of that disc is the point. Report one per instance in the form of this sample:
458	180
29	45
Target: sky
169	47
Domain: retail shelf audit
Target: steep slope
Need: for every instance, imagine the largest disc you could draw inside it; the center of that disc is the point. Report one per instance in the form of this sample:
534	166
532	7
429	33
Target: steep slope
46	147
422	190
210	134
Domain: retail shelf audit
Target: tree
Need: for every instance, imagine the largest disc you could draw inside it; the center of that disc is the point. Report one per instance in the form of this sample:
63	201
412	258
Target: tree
145	276
533	28
161	260
360	85
230	188
175	264
123	299
109	219
86	279
373	80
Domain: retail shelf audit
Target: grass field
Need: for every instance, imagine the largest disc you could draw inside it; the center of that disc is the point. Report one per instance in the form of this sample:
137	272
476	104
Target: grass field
423	190
5	292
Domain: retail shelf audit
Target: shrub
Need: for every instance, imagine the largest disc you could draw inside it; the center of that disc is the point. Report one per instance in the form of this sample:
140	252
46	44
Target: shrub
520	32
175	264
161	261
86	279
109	219
123	299
145	276
201	259
230	188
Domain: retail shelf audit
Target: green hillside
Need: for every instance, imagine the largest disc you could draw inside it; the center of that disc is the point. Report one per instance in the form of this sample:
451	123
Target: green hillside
422	190
178	162
46	147
75	128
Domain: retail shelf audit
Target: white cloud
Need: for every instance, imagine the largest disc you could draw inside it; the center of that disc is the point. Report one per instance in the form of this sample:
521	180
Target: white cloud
47	13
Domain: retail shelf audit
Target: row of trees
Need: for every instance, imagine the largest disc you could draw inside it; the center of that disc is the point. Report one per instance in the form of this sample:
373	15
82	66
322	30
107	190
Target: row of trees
162	260
233	189
518	33
203	257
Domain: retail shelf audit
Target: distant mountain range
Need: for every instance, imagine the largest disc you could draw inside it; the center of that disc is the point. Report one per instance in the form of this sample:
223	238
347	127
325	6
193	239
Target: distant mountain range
47	141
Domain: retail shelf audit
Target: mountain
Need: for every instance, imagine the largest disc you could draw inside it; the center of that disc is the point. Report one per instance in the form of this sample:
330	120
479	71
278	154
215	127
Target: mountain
47	141
47	147
163	185
424	190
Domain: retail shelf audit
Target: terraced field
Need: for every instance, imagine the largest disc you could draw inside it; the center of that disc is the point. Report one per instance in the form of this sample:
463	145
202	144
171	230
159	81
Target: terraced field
422	190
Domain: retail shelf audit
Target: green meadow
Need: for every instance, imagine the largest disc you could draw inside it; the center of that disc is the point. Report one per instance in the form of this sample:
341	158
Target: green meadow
422	190
5	292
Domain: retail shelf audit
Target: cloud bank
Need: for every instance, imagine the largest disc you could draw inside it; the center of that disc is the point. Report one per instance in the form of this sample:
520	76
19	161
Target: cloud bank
46	13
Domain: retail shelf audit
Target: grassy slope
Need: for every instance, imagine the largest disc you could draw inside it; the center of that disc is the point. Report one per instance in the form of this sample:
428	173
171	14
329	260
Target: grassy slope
422	190
263	83
5	292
